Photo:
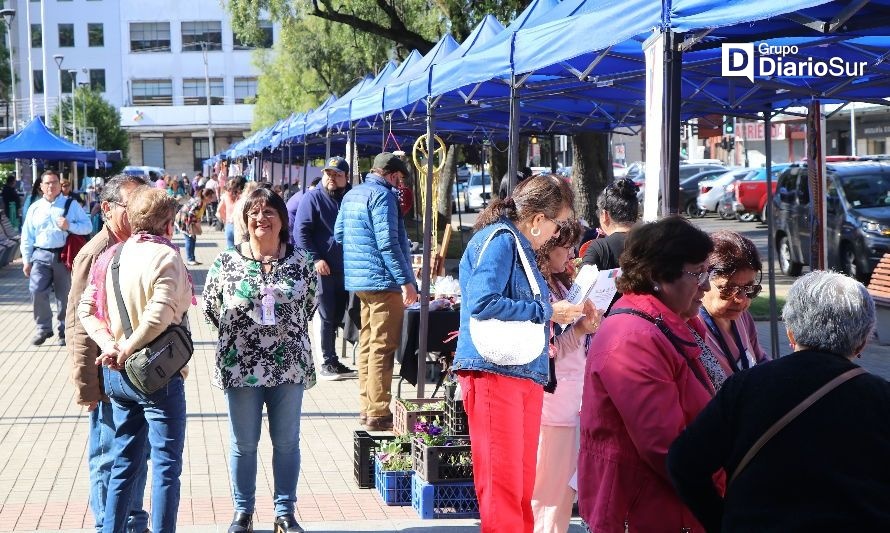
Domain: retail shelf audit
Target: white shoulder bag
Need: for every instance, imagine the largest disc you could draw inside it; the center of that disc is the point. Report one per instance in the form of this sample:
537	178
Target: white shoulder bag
509	342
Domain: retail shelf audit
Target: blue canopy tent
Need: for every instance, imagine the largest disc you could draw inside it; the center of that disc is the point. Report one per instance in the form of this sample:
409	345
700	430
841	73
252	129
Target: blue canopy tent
34	141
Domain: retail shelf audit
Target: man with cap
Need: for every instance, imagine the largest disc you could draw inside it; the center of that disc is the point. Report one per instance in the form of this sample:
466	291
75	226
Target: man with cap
293	205
377	267
314	231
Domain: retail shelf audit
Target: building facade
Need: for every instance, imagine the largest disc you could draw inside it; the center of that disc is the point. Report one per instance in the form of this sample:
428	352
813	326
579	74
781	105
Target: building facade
154	61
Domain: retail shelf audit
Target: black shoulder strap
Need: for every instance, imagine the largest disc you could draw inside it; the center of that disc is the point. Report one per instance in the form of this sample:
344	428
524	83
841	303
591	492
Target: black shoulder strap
116	281
67	206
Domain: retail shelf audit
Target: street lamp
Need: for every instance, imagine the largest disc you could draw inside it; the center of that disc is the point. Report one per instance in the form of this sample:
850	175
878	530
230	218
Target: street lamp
73	74
59	58
8	15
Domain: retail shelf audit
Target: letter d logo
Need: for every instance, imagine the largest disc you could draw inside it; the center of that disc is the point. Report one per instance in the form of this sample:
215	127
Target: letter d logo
738	60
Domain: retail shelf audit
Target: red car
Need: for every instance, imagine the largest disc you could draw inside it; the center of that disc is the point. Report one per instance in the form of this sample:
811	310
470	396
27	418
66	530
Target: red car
750	194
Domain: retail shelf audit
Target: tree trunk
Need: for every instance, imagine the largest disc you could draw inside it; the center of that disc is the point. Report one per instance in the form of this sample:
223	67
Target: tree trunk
591	172
497	165
449	174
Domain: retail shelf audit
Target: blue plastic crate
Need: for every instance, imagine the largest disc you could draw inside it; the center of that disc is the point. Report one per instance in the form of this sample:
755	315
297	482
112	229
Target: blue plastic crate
444	500
395	486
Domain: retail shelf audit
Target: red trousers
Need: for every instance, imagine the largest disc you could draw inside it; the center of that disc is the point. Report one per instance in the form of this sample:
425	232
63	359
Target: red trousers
505	421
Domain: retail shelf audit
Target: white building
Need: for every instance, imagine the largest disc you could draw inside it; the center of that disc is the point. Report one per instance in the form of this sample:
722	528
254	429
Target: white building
148	59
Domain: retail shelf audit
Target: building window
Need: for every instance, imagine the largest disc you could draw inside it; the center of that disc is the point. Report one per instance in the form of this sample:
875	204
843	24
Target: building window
194	91
194	34
266	42
149	36
36	36
97	79
245	90
96	33
67	81
66	35
152	92
153	152
38	81
201	149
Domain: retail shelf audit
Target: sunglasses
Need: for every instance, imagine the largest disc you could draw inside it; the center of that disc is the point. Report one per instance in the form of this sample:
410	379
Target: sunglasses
733	291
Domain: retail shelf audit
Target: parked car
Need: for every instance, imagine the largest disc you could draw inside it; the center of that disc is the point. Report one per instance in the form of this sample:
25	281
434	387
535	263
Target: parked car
686	171
477	193
711	191
750	194
148	173
689	190
618	170
858	221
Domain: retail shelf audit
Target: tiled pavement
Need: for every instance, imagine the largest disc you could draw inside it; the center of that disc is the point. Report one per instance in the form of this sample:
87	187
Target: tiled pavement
44	484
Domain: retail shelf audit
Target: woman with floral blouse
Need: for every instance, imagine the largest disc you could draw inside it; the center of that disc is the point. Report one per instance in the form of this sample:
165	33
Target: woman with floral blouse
260	295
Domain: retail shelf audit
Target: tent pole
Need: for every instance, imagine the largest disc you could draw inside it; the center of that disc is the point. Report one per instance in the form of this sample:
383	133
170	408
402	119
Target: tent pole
327	144
552	153
670	154
305	163
770	239
272	168
428	230
290	166
513	138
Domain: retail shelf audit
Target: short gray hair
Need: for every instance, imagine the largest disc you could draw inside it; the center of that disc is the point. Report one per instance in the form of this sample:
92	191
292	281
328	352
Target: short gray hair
111	192
830	312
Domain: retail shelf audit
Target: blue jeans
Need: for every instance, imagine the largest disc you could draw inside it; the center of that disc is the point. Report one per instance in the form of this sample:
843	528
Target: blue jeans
283	405
100	460
190	241
159	420
230	235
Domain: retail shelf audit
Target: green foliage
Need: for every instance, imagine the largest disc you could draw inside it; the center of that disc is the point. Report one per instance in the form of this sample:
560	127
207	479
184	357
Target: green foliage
95	112
391	456
326	47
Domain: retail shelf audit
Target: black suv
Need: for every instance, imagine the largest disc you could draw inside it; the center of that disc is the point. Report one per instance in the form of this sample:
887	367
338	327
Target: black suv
858	223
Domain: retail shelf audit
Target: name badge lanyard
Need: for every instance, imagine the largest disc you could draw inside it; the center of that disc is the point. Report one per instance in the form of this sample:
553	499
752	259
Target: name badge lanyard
724	347
267	291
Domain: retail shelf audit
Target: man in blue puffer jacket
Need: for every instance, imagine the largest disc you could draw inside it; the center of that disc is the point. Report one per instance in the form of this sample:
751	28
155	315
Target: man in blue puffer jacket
377	267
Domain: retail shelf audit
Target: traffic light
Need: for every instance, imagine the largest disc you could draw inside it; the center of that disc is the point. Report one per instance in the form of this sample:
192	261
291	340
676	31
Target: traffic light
731	143
728	128
724	143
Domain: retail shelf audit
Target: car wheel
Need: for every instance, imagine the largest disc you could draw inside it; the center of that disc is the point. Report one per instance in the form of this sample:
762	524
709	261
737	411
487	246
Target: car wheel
747	216
849	264
726	213
763	216
691	208
787	265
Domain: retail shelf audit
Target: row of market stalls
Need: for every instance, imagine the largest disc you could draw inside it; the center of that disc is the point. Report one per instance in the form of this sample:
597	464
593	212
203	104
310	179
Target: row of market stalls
600	65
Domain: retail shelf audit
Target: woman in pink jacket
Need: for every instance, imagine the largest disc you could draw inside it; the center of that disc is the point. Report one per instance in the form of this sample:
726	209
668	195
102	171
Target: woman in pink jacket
558	446
648	374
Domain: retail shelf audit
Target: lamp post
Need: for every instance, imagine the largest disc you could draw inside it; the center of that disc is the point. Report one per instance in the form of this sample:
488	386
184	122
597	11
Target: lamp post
59	58
8	16
73	74
207	95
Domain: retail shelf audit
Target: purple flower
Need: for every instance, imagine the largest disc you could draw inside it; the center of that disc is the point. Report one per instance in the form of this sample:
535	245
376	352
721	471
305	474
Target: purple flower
435	430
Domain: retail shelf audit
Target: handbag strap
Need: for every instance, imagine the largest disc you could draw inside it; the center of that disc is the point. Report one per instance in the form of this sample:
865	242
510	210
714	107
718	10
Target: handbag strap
526	266
116	282
792	414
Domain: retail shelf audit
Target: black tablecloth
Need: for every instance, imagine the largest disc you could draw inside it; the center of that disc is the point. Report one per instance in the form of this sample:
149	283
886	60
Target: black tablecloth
441	325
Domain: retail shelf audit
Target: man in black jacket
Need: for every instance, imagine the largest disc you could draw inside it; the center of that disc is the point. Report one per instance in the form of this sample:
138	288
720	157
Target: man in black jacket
314	231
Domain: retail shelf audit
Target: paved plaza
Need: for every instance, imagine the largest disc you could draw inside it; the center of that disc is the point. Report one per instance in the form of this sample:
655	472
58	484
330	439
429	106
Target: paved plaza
44	483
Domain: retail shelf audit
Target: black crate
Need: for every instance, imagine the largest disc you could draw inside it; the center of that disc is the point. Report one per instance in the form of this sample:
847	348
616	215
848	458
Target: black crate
434	463
366	445
456	422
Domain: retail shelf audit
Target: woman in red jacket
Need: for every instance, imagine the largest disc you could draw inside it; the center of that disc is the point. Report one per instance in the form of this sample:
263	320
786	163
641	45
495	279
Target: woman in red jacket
648	374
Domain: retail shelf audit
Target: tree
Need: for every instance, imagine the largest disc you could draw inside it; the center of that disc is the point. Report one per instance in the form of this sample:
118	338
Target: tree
591	172
93	111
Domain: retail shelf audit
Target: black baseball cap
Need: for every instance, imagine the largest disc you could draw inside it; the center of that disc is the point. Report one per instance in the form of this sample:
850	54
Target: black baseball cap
337	163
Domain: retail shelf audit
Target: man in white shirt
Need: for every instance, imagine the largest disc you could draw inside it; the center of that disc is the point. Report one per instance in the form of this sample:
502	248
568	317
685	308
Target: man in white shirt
44	232
213	185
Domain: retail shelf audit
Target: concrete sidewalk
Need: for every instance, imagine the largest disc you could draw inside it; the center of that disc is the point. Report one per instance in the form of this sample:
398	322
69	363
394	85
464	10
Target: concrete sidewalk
44	483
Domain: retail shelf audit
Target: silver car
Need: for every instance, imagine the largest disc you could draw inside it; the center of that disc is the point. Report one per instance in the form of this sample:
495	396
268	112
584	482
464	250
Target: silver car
477	192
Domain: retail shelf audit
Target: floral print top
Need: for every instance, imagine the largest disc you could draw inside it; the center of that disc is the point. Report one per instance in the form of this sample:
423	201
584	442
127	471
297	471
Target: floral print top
248	353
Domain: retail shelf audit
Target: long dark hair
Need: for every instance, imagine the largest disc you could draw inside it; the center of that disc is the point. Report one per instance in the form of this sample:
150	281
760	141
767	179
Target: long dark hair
547	194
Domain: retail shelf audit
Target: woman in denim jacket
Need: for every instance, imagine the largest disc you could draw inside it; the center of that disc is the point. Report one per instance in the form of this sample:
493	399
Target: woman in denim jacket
503	402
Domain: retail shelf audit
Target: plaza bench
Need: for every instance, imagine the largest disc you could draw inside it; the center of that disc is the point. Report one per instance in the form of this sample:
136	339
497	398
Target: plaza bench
879	288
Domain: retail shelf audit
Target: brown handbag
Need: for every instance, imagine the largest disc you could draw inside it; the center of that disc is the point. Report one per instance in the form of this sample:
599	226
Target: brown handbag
792	414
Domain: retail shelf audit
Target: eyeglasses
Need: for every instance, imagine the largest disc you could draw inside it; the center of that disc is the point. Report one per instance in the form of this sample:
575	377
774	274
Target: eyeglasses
734	291
702	277
119	204
265	213
559	223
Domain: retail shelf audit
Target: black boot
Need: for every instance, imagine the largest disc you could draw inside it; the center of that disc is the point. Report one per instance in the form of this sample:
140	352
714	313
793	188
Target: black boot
242	523
287	523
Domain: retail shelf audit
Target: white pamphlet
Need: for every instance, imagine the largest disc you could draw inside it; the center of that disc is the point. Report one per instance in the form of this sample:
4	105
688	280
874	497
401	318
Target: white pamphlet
594	284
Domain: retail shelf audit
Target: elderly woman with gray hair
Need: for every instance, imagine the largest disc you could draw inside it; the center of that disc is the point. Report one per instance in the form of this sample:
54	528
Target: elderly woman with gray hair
794	464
